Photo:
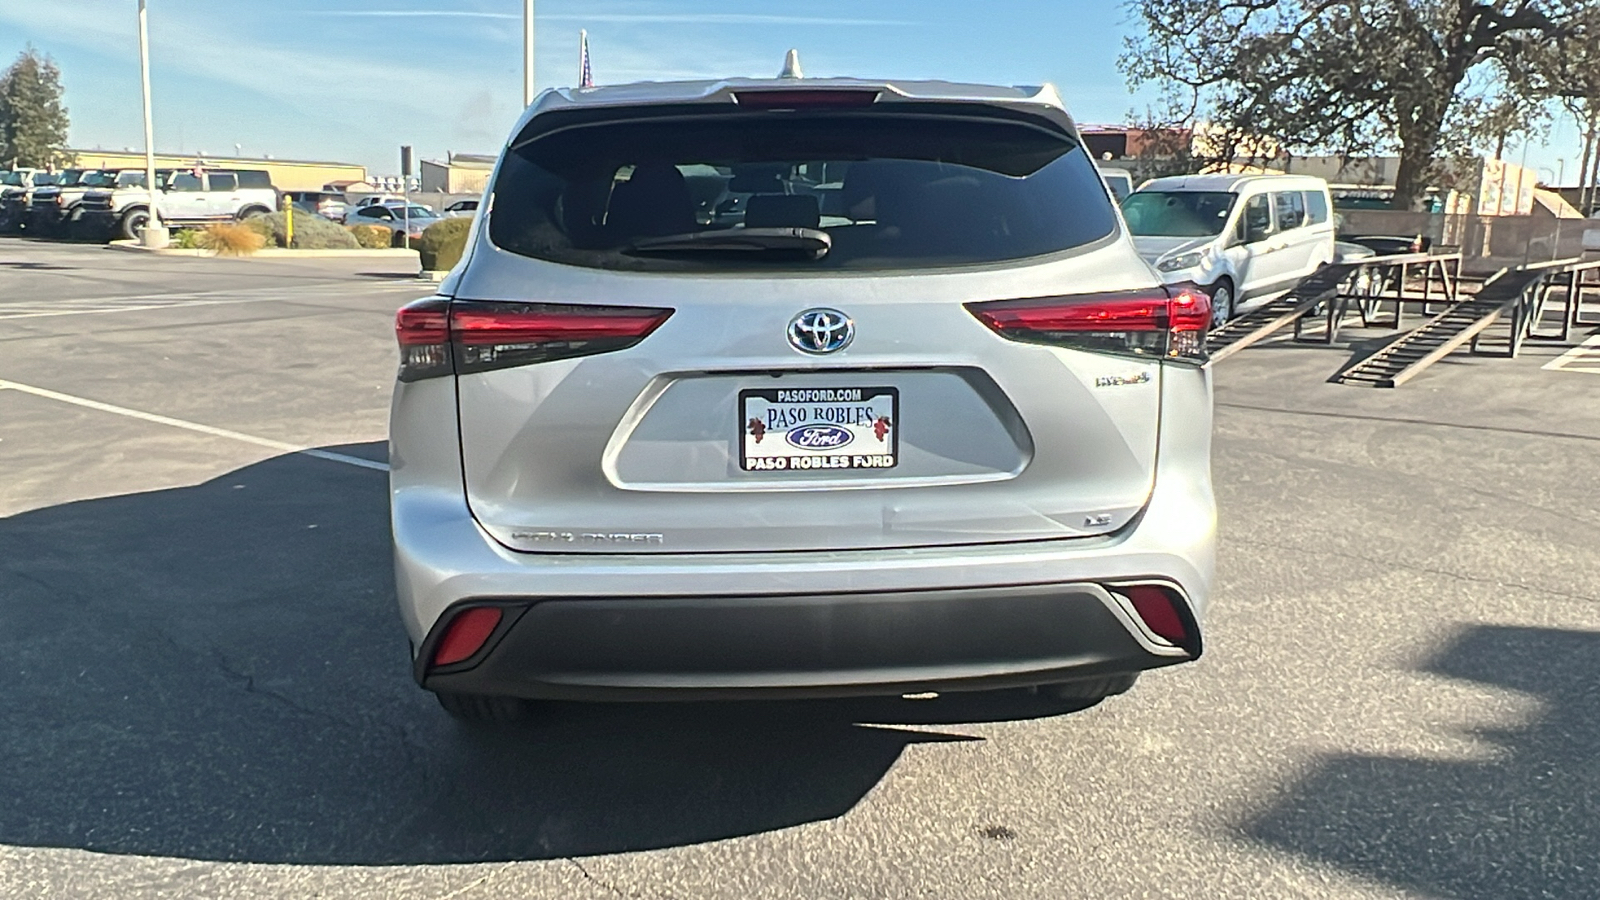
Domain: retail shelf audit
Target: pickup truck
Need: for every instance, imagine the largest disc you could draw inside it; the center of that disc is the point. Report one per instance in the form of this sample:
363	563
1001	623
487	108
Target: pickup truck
184	197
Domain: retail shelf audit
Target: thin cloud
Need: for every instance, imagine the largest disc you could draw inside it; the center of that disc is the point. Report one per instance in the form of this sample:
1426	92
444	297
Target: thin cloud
611	18
412	14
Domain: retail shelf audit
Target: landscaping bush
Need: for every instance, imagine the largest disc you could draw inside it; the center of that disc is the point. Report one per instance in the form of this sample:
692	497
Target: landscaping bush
442	244
184	239
370	237
229	239
310	232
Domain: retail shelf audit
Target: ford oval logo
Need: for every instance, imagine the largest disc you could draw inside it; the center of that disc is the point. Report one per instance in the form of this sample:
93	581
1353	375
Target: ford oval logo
821	331
819	437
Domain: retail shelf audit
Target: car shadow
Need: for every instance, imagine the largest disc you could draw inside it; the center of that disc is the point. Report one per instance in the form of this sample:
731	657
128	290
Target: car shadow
1525	824
217	672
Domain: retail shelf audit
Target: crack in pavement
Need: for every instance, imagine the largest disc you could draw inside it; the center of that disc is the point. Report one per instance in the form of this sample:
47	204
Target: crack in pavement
605	885
487	876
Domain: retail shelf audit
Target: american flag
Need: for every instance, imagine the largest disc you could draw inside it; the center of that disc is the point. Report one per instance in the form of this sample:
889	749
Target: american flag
585	76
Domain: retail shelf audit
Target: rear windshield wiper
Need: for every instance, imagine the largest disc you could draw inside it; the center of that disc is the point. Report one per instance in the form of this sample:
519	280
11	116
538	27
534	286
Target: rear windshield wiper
810	243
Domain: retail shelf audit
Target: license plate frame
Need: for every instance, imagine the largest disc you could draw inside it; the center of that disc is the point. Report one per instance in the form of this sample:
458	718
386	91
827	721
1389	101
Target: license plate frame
818	430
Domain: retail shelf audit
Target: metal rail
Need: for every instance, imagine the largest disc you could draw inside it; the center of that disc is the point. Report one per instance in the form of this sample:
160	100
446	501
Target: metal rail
1507	292
1398	279
1572	283
1321	286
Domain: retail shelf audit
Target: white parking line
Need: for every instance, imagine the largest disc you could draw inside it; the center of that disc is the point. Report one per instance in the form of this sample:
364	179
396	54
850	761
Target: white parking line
194	426
31	308
1583	358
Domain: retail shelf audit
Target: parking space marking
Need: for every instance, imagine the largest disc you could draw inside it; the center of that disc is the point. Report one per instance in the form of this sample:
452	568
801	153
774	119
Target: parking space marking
21	308
194	426
1583	358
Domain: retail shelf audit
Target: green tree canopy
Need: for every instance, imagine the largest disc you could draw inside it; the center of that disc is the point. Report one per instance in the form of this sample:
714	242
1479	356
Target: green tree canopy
1424	78
33	123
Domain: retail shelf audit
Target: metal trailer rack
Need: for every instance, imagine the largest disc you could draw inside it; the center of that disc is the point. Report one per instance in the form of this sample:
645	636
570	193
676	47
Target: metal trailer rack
1337	288
1520	295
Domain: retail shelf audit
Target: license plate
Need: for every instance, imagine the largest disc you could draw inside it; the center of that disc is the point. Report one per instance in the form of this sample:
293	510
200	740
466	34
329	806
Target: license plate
818	429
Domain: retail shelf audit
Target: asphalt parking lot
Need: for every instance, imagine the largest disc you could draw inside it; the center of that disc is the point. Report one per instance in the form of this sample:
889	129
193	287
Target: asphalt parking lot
207	691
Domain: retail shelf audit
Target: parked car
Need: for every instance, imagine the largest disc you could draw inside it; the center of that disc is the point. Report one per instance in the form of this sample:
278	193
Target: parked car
405	220
185	197
327	204
1243	238
16	195
461	209
57	210
381	200
1393	245
922	419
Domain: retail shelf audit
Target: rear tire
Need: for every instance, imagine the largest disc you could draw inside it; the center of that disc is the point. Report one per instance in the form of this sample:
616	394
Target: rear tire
251	213
483	709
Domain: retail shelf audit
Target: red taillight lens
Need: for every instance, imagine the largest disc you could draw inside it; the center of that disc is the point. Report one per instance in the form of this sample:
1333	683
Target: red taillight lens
423	330
495	335
439	336
1166	322
804	99
1158	607
465	635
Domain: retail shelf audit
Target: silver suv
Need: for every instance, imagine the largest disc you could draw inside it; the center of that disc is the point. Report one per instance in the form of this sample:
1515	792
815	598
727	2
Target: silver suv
762	388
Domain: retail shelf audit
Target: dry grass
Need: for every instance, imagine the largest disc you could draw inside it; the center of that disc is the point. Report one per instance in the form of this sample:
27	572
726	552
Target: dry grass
230	240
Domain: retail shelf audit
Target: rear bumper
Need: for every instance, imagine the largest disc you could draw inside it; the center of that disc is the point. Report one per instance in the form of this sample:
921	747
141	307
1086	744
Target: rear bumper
809	622
802	645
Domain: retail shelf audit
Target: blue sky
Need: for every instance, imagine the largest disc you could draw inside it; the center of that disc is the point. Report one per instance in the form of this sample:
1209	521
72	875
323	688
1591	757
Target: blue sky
351	80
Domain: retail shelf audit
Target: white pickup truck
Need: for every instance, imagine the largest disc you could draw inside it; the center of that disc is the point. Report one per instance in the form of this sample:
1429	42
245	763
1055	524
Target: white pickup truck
184	197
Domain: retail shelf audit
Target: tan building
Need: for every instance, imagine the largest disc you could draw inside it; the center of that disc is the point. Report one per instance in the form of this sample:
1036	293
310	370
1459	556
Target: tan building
460	173
286	174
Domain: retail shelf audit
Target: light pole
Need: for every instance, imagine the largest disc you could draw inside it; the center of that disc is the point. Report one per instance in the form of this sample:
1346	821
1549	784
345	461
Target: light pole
527	53
155	234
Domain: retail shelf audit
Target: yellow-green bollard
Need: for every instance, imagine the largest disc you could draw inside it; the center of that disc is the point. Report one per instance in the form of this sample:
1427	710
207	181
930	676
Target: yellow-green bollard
288	225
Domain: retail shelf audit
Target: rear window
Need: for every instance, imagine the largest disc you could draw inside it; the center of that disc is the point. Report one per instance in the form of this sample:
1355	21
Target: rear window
884	191
1316	207
249	178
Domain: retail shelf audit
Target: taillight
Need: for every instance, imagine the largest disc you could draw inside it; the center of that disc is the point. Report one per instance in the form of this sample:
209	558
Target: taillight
496	335
439	336
423	330
1169	323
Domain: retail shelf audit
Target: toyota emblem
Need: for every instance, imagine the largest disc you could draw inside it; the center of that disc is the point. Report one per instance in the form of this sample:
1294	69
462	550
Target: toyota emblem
821	331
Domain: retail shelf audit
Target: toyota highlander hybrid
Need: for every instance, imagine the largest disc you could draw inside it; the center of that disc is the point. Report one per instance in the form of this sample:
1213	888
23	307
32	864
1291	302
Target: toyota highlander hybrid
794	387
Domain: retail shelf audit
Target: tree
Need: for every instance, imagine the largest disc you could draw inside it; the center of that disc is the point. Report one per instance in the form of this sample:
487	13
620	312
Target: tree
33	123
1352	77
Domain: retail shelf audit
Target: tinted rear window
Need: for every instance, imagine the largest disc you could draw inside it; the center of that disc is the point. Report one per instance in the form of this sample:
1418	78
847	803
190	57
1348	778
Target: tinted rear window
249	178
891	192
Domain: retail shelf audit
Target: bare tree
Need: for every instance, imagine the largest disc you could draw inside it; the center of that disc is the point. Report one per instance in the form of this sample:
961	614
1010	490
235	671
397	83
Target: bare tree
1351	77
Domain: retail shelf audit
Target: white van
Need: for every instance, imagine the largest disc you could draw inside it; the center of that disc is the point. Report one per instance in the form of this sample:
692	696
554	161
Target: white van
1244	238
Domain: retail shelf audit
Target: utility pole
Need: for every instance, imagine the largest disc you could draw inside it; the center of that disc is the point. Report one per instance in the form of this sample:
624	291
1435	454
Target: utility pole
527	53
155	234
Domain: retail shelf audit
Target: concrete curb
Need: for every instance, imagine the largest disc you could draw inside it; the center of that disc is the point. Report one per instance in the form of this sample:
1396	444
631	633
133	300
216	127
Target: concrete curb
273	252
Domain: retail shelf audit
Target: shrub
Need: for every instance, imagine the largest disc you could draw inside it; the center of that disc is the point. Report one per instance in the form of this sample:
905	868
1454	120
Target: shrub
310	232
442	244
229	239
370	237
184	239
